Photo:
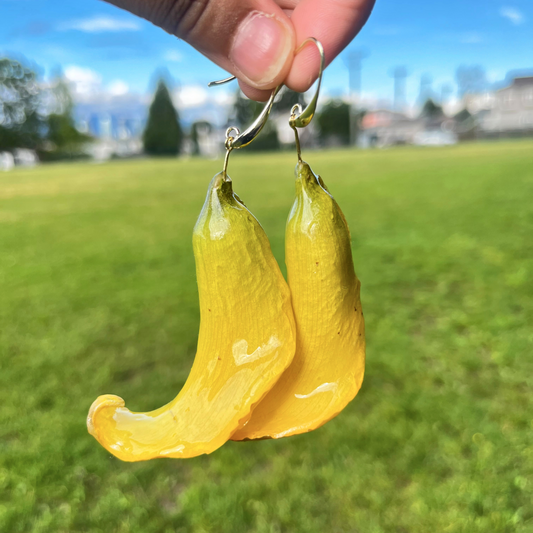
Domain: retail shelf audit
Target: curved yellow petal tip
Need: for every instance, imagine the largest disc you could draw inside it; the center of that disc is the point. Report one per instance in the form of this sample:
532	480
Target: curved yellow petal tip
102	402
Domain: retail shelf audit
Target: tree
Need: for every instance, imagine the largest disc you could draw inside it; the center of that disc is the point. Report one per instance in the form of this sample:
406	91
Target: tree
431	110
64	139
466	125
21	124
163	134
334	122
463	116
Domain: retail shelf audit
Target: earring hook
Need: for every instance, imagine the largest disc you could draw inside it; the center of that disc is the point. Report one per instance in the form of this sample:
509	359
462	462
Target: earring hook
246	137
221	82
299	118
310	109
228	144
303	118
239	140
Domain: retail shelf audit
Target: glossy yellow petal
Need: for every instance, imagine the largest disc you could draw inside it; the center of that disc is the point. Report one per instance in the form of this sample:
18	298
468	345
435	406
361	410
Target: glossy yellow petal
327	370
246	341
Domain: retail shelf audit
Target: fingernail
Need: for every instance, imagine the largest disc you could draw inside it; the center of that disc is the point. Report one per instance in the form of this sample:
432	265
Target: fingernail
260	47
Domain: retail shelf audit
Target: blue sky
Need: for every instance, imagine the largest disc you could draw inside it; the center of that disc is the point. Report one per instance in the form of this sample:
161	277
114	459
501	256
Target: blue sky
117	52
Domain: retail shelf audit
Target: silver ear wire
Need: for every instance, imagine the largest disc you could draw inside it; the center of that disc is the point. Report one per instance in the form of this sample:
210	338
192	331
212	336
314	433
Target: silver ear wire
221	82
239	140
303	118
299	118
247	136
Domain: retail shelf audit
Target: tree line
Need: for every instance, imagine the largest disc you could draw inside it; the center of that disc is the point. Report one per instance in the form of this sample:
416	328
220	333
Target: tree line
164	136
35	117
41	118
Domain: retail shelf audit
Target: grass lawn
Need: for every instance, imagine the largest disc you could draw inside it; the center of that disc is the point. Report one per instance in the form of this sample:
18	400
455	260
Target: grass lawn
98	295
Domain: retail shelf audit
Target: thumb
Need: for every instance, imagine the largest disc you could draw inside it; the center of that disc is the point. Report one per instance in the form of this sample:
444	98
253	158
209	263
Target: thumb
252	39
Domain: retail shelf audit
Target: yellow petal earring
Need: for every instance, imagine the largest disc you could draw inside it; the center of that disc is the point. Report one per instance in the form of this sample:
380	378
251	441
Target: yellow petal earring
246	338
328	367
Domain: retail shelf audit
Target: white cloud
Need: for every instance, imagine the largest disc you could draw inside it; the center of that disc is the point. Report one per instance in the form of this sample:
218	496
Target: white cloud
100	24
173	55
118	88
192	96
194	101
513	14
223	98
84	80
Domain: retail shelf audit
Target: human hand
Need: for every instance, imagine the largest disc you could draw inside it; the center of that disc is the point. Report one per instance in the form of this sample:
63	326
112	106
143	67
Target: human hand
255	39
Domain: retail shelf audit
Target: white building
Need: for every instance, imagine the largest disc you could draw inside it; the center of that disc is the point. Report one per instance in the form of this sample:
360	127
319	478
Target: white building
511	110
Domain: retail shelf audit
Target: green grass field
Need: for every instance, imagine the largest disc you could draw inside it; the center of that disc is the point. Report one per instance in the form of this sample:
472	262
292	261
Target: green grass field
98	295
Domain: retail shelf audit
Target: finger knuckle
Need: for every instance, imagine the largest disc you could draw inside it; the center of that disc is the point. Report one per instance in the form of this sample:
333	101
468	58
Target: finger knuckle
184	16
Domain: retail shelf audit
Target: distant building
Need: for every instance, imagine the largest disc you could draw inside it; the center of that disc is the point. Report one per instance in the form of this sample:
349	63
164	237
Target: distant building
116	127
511	111
503	112
387	128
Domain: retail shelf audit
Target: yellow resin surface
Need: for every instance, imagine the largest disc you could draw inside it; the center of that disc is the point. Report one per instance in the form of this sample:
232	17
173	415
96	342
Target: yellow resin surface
246	341
327	370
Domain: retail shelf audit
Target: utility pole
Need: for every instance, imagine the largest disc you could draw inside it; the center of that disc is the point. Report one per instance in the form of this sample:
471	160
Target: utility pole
399	74
353	61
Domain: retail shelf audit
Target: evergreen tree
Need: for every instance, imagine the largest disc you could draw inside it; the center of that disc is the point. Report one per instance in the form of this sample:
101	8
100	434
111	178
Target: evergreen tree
163	134
466	125
431	110
463	116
